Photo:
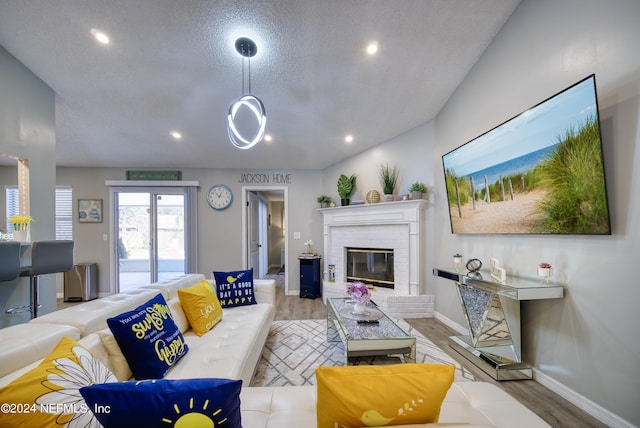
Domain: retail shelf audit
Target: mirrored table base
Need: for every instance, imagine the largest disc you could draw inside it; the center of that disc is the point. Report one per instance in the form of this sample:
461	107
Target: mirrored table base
499	362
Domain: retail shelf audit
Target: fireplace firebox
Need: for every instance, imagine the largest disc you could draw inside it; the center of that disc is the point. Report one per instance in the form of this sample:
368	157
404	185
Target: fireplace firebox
372	266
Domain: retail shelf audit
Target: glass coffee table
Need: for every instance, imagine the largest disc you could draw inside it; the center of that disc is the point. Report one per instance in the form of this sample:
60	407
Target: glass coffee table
375	334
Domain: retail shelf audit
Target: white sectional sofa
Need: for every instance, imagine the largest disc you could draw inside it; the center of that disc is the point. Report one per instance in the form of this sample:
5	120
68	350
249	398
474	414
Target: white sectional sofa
231	350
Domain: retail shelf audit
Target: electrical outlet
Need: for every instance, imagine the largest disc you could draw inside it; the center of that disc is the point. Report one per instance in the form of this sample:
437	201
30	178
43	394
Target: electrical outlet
296	235
105	237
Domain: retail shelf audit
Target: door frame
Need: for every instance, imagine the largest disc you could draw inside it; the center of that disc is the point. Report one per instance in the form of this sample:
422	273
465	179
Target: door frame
245	192
191	211
259	211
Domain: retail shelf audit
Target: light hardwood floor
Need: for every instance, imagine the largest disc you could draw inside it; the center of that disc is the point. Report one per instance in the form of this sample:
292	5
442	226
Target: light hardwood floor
555	410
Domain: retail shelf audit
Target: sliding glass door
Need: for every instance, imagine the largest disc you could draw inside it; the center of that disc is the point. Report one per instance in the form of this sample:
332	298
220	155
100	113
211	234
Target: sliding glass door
151	239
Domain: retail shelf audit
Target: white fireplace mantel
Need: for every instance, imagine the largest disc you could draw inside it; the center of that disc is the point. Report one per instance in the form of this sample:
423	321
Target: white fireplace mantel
396	225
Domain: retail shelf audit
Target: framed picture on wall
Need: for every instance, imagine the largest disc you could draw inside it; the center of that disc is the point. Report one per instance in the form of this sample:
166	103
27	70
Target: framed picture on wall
90	210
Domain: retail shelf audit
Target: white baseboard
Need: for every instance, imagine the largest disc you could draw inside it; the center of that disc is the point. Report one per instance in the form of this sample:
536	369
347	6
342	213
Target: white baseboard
450	323
59	295
588	406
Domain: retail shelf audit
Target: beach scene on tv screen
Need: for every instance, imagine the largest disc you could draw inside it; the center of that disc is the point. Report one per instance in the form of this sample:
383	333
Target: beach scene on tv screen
540	172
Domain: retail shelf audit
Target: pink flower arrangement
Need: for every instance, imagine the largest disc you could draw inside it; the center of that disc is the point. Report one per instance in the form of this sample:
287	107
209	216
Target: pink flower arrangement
359	292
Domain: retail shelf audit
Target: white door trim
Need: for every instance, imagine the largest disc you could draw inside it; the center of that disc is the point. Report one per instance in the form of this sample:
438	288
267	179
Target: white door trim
245	261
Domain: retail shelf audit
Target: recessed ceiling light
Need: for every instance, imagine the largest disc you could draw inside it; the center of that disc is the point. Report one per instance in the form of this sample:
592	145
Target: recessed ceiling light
176	135
100	36
372	48
348	138
268	137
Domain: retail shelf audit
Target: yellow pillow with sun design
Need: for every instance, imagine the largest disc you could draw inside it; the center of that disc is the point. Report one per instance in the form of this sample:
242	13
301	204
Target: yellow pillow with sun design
49	395
201	306
401	394
167	403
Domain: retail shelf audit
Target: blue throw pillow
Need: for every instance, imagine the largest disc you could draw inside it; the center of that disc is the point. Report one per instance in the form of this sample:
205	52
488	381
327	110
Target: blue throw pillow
149	338
166	403
235	288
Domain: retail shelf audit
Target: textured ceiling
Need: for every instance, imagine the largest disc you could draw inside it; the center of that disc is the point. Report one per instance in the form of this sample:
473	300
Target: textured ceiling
172	65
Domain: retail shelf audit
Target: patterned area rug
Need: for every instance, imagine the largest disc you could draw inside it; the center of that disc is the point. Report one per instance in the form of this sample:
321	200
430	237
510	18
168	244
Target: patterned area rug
294	349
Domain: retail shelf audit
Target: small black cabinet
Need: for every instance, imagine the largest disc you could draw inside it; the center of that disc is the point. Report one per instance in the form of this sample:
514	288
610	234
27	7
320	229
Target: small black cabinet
310	278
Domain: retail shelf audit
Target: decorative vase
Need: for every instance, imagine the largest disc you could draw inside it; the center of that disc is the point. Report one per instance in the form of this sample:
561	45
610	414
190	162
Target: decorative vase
344	201
387	198
545	273
20	235
416	195
324	204
359	308
373	197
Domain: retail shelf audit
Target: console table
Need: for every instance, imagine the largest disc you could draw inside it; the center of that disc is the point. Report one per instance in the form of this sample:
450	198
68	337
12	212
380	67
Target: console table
492	311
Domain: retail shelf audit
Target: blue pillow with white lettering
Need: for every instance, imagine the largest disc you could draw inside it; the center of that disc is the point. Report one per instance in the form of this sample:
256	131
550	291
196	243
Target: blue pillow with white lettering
235	288
149	338
165	403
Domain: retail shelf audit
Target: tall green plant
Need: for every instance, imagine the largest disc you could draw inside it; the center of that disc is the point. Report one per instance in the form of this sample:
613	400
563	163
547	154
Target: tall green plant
388	178
576	200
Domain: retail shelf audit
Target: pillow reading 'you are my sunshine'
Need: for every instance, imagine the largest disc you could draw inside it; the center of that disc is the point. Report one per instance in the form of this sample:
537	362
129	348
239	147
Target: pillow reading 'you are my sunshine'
149	339
166	403
235	288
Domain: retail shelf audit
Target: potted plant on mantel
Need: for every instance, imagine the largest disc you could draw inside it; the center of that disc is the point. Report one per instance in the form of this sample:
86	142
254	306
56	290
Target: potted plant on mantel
324	201
388	180
346	186
418	189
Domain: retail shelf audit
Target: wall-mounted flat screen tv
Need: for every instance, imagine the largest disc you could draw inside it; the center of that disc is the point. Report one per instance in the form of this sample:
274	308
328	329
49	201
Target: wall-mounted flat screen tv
540	172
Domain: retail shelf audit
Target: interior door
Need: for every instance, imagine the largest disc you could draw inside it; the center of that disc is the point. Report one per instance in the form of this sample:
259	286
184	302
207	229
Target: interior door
263	238
253	232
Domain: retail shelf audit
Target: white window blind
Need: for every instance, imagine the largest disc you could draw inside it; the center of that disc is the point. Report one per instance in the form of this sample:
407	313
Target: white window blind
13	204
64	210
64	213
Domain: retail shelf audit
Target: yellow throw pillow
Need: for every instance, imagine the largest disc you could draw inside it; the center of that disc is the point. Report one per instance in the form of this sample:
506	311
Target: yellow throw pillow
119	365
201	306
401	394
49	395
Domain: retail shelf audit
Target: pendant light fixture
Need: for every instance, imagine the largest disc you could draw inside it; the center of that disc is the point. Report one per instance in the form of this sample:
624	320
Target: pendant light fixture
249	107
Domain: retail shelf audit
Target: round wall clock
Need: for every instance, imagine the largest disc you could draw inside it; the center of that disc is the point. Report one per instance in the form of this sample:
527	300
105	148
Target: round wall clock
220	197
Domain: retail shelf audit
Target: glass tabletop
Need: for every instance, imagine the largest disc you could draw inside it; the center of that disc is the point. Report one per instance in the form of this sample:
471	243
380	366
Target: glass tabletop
513	287
384	329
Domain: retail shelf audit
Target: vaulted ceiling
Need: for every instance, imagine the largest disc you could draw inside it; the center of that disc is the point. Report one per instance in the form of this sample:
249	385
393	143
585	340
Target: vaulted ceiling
172	65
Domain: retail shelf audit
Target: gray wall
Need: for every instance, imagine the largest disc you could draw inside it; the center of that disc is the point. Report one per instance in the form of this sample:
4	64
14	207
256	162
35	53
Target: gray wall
581	341
27	130
219	239
584	346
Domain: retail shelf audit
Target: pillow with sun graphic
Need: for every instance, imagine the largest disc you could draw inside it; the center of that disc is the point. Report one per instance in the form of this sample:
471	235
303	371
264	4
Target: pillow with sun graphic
201	306
49	395
167	403
235	288
149	339
400	394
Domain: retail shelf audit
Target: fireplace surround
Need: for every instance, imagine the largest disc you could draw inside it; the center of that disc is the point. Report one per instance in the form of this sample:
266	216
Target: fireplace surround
398	226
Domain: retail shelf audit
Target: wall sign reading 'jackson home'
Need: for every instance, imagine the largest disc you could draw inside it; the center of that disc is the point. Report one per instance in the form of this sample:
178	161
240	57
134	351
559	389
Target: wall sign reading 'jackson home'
265	178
